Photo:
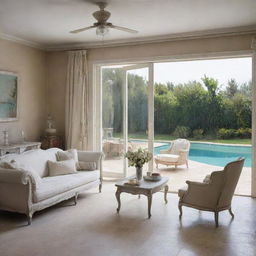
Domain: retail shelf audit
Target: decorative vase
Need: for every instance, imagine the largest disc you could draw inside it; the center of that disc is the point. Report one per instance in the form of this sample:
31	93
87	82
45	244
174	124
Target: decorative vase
138	173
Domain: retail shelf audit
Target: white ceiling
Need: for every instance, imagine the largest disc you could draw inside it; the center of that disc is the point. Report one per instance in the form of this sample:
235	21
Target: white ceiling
48	22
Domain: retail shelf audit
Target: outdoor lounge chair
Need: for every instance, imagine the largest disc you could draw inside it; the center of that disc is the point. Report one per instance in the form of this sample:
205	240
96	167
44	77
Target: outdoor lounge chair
176	155
215	193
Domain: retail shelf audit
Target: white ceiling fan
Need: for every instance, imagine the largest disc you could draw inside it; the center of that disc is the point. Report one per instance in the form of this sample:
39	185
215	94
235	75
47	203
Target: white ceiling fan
102	26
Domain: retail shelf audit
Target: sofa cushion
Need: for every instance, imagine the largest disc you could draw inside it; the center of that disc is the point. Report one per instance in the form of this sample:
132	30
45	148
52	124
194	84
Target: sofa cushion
51	186
62	167
167	157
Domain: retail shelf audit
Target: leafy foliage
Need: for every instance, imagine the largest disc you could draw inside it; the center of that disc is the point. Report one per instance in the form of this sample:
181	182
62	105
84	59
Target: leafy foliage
198	133
182	132
203	107
232	133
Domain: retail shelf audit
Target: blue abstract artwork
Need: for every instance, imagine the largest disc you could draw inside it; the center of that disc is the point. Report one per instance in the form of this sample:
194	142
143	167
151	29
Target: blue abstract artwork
8	96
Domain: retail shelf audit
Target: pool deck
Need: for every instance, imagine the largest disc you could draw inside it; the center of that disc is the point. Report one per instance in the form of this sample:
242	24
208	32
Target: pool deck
197	172
178	176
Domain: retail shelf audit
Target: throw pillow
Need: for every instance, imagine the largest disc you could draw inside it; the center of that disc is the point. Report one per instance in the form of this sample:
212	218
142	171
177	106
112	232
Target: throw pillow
67	155
88	166
62	167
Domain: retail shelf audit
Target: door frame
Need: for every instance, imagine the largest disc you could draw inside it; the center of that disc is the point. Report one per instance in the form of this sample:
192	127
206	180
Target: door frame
150	113
97	96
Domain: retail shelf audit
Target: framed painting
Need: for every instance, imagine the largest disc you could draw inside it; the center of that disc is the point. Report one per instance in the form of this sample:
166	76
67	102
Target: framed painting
8	96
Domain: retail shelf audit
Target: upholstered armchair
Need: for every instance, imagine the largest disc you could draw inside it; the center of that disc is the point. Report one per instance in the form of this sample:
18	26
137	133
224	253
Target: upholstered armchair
215	192
176	155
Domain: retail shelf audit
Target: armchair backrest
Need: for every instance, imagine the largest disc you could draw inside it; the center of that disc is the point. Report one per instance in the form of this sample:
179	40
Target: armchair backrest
231	176
179	144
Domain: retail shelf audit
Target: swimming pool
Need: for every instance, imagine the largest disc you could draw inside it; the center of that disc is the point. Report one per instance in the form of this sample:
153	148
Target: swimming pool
215	154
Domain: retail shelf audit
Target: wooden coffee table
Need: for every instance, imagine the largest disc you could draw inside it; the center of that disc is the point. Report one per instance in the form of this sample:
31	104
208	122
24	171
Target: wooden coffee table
147	188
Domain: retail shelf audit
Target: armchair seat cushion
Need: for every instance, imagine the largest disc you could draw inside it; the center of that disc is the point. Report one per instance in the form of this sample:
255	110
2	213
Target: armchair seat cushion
167	157
182	191
51	186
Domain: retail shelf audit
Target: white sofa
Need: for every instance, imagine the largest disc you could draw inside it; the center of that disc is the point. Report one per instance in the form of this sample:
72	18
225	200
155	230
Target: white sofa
23	191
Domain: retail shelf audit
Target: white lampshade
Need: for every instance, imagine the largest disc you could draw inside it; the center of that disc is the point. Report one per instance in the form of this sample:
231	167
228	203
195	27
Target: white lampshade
102	30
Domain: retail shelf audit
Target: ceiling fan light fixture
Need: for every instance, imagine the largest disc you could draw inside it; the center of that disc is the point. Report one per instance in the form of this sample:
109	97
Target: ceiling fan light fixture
102	30
102	25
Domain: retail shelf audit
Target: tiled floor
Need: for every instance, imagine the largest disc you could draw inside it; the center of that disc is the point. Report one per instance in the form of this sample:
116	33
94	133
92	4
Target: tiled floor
93	227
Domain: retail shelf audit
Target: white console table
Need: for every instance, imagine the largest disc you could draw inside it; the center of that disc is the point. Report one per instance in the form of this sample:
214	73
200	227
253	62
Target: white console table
18	147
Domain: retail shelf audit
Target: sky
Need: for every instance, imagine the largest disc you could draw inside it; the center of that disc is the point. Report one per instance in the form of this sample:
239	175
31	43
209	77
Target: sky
184	71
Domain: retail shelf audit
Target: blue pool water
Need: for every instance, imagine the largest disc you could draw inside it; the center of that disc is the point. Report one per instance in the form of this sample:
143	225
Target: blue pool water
214	154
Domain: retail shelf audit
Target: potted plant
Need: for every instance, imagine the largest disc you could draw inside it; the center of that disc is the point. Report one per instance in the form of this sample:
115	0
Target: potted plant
138	159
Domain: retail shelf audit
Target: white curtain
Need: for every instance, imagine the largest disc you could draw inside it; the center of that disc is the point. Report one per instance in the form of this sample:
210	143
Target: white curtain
77	93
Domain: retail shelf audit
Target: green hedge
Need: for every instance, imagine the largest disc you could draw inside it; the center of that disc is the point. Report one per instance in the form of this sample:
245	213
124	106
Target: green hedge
232	133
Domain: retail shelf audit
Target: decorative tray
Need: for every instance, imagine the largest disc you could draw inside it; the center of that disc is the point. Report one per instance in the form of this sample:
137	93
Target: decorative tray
131	184
152	178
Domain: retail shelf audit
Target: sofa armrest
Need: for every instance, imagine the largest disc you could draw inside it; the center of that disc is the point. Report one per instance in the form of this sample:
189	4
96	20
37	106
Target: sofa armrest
16	176
92	156
16	191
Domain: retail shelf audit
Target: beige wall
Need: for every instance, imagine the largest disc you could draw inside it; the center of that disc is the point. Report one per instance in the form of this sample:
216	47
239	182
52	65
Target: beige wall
30	65
57	64
178	47
56	84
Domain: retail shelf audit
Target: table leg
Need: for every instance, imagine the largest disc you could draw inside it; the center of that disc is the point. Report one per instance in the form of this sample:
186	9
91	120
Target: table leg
149	204
166	188
118	192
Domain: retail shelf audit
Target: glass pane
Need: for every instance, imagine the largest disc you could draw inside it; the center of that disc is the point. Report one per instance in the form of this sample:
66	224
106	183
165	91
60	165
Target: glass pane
112	121
206	102
137	112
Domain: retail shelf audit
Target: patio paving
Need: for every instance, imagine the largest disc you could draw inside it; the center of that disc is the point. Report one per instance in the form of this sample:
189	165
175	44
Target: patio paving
178	176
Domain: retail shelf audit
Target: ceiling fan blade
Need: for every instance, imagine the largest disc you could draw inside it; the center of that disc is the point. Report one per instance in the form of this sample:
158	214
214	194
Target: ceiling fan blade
124	29
81	29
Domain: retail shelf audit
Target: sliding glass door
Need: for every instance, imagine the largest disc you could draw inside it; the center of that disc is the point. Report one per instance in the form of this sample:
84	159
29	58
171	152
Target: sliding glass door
127	107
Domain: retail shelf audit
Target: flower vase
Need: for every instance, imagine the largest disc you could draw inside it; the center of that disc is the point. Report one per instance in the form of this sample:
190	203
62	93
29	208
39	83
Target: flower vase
138	173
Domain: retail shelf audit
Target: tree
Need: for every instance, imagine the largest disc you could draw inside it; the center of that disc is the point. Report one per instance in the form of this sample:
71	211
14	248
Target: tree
196	105
161	89
191	105
242	107
211	84
246	89
214	103
232	88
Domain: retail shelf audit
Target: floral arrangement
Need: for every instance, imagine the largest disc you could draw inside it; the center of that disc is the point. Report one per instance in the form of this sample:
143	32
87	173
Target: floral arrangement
138	158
